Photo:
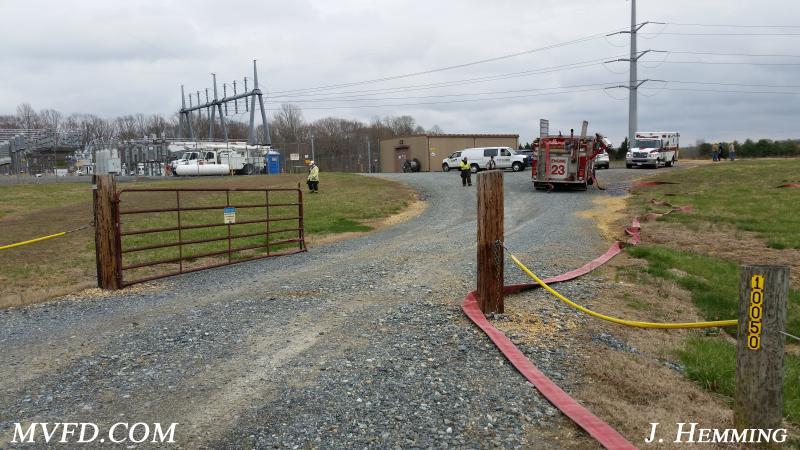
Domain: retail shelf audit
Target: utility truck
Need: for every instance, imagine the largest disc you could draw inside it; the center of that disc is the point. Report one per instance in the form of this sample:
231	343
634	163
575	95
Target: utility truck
653	149
566	161
219	159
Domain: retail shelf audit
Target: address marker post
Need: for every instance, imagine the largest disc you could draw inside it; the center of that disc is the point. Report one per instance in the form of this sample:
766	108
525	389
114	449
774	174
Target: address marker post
758	400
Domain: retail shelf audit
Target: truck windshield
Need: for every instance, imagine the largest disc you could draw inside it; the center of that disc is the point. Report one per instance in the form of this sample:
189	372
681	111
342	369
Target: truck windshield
648	143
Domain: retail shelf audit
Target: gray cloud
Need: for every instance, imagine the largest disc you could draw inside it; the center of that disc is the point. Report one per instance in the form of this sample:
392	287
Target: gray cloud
115	58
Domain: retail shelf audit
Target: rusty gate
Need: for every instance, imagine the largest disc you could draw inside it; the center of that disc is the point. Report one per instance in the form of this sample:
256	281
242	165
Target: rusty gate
197	229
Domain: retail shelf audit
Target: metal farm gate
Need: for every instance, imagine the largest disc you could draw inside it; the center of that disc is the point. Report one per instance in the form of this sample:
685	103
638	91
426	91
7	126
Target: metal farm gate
166	232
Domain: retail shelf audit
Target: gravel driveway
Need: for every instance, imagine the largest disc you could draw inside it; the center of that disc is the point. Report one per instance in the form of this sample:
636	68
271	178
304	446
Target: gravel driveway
360	343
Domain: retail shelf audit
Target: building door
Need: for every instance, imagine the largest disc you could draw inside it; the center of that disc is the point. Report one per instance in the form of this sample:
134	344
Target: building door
400	157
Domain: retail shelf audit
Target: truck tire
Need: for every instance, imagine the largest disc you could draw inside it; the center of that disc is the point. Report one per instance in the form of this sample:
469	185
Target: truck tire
248	169
516	167
474	168
671	163
628	166
445	167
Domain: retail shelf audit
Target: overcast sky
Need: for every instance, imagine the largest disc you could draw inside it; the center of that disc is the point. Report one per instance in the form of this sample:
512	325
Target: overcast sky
113	58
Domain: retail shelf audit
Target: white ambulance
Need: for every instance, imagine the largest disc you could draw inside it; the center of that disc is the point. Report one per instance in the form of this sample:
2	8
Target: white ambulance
653	149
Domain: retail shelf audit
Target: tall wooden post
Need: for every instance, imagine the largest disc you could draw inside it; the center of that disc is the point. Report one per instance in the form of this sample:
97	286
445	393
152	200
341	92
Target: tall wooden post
105	231
490	233
758	401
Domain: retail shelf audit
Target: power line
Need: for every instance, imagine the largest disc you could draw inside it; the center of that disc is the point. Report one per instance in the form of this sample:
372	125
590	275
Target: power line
393	105
722	34
754	55
453	95
744	63
735	84
426	86
729	91
445	68
729	25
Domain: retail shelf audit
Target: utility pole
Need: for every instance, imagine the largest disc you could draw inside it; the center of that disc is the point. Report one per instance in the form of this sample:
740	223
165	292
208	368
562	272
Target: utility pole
369	156
633	117
312	148
633	80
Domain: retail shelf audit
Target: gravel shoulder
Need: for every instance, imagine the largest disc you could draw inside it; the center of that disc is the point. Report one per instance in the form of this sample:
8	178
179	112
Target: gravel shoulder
355	343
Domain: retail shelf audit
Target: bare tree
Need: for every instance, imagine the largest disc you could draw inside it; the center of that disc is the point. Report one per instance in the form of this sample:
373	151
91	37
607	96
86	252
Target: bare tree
27	116
156	125
51	119
401	126
435	130
141	124
9	122
126	127
288	124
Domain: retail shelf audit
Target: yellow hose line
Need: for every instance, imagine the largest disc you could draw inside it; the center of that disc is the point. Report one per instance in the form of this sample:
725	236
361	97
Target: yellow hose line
630	323
32	241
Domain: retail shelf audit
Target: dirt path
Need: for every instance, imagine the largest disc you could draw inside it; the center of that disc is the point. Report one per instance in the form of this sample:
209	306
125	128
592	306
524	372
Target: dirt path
356	343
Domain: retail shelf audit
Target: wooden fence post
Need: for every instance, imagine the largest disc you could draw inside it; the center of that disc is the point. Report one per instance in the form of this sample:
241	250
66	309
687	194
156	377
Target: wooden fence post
490	232
758	401
104	189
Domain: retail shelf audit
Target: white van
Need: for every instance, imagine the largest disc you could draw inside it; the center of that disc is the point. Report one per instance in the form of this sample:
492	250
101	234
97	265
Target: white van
478	159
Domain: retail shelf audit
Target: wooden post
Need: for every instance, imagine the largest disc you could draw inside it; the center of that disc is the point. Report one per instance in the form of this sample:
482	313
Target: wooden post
758	401
105	231
490	232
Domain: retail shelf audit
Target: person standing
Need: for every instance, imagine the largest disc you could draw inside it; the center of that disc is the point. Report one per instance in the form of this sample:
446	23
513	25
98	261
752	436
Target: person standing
491	165
715	152
313	177
466	172
731	151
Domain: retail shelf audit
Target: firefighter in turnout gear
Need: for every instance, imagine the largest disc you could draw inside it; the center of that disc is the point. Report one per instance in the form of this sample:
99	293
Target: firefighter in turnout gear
466	172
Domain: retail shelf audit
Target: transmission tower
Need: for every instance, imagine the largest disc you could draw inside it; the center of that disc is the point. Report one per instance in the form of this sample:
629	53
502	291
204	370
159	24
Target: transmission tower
219	106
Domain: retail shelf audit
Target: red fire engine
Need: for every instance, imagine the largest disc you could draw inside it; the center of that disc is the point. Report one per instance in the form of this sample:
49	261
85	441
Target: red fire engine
565	160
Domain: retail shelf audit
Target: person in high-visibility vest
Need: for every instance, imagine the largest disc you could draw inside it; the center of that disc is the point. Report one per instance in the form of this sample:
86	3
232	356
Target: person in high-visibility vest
466	172
313	177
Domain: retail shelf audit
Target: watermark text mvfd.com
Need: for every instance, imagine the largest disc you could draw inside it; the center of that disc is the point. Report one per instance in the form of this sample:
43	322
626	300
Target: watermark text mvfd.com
85	432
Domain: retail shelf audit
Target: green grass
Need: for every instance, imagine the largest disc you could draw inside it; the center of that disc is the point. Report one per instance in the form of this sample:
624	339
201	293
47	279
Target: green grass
742	194
712	363
24	198
346	203
713	282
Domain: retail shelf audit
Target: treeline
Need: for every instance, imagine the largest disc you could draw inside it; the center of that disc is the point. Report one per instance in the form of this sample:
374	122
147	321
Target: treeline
748	149
342	143
755	149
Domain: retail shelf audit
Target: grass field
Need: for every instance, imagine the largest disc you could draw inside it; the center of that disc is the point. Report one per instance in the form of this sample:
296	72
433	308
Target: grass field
712	363
346	203
726	197
741	193
713	282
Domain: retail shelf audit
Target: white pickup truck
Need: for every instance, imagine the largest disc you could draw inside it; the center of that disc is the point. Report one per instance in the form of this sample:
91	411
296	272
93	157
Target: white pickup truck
653	149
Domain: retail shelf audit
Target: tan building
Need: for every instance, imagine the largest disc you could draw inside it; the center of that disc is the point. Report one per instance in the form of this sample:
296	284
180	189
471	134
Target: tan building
429	150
